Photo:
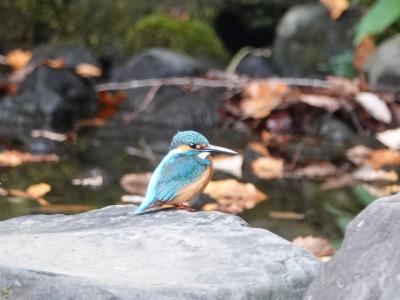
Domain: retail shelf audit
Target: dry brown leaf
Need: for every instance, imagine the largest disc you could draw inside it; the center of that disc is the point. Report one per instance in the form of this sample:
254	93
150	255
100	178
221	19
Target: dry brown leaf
384	157
336	182
358	154
229	164
268	167
88	70
260	97
234	196
135	183
56	63
318	246
38	190
17	59
335	7
366	173
390	138
317	170
62	208
343	86
286	215
259	148
328	103
12	158
381	191
375	106
363	52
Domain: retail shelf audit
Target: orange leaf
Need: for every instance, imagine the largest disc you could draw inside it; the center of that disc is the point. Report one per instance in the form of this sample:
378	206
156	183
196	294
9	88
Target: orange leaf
261	97
38	190
17	59
88	70
363	52
12	158
56	63
384	157
335	7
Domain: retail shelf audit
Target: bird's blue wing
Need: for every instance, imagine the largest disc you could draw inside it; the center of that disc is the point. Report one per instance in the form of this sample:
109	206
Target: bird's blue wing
177	174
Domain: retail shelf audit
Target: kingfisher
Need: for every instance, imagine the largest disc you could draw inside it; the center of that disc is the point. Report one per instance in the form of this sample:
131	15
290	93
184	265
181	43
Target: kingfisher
183	173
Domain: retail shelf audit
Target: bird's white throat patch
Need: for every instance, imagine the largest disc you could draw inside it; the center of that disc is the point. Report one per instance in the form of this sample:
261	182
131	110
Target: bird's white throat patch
203	155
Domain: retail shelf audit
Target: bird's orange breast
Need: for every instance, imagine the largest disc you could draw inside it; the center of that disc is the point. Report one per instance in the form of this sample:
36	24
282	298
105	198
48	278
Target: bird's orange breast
192	190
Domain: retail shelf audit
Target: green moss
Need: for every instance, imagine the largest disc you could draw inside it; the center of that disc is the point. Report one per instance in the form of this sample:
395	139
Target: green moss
5	293
192	37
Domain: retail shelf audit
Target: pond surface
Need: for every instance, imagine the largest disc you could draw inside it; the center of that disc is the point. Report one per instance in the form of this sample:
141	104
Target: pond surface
108	155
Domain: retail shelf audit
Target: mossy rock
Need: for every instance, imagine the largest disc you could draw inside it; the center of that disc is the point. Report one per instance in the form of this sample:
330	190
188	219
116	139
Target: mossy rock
192	37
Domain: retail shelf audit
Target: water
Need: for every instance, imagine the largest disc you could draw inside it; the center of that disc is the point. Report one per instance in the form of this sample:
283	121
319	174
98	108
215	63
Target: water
105	153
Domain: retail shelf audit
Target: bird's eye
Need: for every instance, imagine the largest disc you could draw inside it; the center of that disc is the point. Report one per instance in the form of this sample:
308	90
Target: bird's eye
192	145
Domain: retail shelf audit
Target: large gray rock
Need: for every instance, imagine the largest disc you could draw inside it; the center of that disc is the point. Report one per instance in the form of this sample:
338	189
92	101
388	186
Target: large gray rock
384	67
111	253
306	38
367	266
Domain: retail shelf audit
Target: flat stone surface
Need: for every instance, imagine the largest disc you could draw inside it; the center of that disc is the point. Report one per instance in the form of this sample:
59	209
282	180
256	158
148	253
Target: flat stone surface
367	266
111	253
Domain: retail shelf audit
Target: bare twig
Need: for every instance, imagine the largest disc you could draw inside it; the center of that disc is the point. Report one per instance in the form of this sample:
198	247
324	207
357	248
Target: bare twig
202	82
129	117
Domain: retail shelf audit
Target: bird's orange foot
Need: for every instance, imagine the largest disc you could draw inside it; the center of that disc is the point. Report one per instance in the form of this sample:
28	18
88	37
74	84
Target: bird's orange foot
185	207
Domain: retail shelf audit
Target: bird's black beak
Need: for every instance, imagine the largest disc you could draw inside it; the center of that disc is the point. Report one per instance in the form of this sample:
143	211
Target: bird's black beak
218	150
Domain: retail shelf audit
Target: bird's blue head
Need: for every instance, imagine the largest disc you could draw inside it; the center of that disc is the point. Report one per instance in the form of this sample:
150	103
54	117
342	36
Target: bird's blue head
195	142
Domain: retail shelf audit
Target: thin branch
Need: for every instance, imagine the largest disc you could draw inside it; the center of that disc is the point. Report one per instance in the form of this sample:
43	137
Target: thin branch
202	82
129	117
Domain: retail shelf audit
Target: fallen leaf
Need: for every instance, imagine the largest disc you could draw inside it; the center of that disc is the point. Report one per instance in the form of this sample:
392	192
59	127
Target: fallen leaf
88	70
259	148
363	52
38	190
62	208
375	106
134	199
286	215
343	86
381	191
260	97
318	246
233	196
229	164
94	181
316	170
328	103
367	173
55	63
390	138
13	158
336	182
384	157
336	7
17	59
267	167
135	183
358	154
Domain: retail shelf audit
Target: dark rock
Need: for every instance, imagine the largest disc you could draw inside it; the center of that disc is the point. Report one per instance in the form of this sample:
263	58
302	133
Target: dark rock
367	266
306	38
257	66
113	254
384	66
71	55
50	99
157	63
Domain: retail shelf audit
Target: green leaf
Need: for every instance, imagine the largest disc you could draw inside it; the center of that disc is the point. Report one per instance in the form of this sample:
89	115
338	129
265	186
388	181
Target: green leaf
363	195
379	17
